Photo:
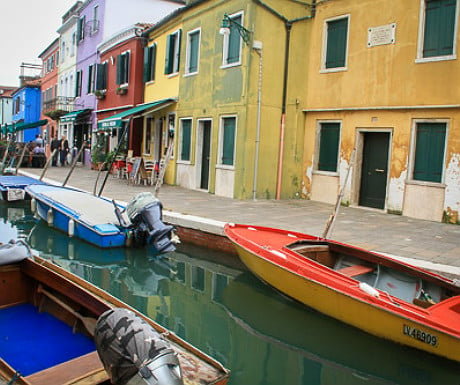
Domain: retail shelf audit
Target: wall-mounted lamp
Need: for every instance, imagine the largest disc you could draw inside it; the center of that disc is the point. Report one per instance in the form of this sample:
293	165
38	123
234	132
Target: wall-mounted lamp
227	22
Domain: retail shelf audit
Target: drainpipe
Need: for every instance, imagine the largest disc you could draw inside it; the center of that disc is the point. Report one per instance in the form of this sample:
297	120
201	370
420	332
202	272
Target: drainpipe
259	102
288	24
283	111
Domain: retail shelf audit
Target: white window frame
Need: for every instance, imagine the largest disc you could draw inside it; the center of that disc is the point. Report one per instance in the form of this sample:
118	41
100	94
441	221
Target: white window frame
325	41
220	149
421	37
413	145
188	53
226	40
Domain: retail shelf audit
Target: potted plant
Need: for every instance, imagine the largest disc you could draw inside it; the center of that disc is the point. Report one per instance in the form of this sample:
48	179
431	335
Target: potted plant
121	90
100	94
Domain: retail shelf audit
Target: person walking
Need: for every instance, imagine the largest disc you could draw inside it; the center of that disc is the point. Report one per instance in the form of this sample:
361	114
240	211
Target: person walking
55	145
63	150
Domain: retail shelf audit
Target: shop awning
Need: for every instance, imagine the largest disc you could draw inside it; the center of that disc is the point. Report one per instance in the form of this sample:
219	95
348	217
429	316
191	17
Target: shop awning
10	128
72	116
116	121
25	126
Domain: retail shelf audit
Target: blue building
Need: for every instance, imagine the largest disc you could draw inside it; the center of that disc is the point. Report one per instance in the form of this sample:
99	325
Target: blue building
26	113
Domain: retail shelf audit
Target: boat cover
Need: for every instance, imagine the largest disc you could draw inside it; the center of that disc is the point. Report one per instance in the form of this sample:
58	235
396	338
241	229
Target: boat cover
128	346
13	251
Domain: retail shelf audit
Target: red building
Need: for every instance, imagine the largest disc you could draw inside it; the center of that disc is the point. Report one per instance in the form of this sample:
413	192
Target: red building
49	80
120	84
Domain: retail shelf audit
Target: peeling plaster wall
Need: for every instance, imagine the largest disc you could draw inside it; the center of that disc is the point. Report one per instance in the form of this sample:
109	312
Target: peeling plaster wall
452	192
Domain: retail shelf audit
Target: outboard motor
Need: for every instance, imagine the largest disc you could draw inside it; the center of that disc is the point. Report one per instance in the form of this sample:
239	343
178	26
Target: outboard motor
145	213
133	353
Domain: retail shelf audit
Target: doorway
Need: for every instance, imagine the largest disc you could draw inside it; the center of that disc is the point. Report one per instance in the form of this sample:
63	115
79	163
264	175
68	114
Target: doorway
374	169
204	153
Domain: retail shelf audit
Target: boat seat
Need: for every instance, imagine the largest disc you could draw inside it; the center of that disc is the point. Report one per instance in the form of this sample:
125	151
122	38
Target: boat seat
355	270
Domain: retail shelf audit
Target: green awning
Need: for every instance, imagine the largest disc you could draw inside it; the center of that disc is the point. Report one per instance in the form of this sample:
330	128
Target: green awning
10	128
116	121
25	126
72	116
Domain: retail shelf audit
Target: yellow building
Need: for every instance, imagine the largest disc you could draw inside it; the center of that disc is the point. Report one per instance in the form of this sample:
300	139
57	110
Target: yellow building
237	131
381	86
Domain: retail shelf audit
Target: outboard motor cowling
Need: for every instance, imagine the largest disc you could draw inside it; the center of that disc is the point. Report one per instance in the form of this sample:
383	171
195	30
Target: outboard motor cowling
133	353
145	213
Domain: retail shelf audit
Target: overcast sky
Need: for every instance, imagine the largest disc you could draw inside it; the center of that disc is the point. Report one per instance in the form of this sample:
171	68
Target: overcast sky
27	28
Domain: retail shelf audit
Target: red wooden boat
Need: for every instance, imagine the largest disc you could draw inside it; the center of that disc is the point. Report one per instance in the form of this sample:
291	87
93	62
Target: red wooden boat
373	292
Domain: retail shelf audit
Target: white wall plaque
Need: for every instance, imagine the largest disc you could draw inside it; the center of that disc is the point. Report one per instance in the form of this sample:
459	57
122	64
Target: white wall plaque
384	34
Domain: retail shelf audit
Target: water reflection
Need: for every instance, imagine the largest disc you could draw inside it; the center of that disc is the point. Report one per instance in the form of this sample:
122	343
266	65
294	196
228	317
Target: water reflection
215	304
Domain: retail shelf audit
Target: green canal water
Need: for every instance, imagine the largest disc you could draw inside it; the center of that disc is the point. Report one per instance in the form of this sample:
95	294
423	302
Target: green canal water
213	302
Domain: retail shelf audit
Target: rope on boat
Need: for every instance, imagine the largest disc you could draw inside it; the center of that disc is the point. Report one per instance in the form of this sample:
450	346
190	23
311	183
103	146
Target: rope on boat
15	377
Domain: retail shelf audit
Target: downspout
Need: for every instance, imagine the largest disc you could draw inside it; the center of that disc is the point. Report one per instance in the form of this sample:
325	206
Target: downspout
288	24
283	111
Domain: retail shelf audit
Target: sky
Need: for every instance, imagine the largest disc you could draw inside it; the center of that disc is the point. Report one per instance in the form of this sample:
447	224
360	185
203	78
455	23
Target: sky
27	28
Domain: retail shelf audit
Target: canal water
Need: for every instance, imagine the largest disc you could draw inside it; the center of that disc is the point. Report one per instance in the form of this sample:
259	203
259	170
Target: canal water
213	302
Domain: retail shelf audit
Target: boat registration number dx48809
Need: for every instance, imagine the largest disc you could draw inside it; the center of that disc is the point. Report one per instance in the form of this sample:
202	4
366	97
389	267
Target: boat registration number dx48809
420	335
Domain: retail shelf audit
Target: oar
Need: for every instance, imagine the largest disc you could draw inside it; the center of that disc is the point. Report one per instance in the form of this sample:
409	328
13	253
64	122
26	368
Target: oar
88	322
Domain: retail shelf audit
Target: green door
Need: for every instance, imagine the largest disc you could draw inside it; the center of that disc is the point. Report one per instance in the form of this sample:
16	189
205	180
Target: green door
374	169
205	155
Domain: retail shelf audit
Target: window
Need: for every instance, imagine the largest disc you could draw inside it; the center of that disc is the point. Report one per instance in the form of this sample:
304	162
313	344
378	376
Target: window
91	78
78	83
123	68
227	150
430	143
336	41
185	139
81	28
95	21
101	76
150	56
173	53
193	52
232	43
328	153
148	136
62	51
438	29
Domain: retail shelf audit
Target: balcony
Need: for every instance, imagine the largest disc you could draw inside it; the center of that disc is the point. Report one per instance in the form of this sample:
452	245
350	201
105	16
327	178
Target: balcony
55	108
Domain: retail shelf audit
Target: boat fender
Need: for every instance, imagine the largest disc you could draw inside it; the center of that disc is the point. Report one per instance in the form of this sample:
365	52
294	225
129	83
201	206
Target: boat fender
71	228
33	205
50	217
369	289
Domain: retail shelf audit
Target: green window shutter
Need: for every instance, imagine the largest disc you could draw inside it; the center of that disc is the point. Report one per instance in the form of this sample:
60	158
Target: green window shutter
234	42
78	83
337	31
329	146
119	69
146	74
126	68
177	50
194	47
439	28
429	152
169	61
228	146
186	139
153	50
101	76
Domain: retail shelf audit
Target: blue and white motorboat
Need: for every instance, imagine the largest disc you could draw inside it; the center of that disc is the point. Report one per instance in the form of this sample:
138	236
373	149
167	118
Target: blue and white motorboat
12	187
100	221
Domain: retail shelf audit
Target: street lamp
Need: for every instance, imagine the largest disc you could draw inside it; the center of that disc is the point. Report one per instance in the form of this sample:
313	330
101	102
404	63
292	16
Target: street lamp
227	22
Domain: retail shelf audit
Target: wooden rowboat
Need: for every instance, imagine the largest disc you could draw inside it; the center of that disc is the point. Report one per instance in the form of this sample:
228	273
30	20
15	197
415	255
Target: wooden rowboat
48	327
370	291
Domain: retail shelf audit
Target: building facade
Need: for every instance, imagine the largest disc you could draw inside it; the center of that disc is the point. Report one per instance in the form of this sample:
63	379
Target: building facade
380	100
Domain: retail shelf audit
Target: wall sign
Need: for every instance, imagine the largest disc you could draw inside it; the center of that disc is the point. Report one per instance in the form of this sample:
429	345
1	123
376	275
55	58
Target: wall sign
384	34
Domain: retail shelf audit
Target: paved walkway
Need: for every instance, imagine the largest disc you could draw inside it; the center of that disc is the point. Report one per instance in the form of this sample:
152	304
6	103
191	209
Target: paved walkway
429	244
